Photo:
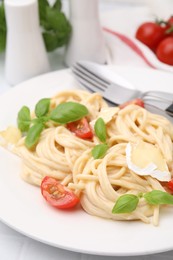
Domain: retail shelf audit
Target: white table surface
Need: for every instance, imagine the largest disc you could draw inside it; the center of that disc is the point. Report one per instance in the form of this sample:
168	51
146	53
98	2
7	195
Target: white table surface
15	246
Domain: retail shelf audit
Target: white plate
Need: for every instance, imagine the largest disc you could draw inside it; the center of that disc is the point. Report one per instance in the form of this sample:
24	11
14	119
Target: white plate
23	208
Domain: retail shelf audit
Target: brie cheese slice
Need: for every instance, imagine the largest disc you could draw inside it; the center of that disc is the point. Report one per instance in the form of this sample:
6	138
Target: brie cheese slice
146	159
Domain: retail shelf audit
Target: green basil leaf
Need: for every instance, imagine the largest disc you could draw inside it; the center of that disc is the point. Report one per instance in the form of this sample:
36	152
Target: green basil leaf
57	29
24	119
3	28
125	204
68	112
2	40
157	197
50	40
56	20
100	129
42	107
33	135
99	151
3	25
42	10
57	5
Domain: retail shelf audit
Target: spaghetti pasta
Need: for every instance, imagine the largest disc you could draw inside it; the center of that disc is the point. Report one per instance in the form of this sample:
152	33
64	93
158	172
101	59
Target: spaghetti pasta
99	182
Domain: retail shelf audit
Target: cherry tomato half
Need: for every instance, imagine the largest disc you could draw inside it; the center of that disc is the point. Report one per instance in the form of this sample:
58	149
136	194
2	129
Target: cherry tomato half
164	51
81	128
150	34
57	195
170	185
136	101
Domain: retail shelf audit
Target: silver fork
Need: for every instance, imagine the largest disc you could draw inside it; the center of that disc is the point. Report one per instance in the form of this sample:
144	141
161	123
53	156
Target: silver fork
91	76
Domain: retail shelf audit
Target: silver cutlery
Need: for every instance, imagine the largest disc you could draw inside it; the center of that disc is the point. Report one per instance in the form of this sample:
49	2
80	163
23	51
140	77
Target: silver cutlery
97	78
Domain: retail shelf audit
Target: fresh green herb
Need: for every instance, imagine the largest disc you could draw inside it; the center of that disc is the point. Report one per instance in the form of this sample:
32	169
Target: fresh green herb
42	4
24	119
100	129
57	5
42	120
3	28
157	197
55	26
42	107
99	151
63	113
125	204
128	202
50	40
33	135
68	112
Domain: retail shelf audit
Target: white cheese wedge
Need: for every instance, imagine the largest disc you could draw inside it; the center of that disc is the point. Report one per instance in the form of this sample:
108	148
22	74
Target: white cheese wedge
106	114
11	134
146	159
10	137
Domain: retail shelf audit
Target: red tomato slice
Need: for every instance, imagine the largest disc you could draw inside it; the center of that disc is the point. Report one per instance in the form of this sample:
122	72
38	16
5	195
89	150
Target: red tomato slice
136	101
57	195
81	128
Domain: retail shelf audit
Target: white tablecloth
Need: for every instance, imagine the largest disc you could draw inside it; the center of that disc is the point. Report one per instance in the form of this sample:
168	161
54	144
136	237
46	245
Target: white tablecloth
15	246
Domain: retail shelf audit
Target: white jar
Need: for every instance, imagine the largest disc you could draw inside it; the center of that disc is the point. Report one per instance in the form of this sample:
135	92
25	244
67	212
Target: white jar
25	50
87	40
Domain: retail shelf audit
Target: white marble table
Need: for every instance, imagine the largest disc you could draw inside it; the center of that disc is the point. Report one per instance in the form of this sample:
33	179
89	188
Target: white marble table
15	246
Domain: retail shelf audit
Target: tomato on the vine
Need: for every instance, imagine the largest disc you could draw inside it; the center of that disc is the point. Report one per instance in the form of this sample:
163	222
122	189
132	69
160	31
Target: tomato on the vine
151	33
164	51
170	20
169	30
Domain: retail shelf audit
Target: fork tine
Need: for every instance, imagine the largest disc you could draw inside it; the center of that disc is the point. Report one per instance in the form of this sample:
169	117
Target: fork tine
89	83
86	76
85	83
92	75
92	88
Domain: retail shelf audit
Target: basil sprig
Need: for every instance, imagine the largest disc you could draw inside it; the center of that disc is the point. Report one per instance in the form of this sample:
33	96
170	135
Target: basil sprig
128	202
62	114
100	150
